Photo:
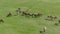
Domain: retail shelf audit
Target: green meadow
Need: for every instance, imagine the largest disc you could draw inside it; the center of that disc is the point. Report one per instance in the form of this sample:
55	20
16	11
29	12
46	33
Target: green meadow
29	25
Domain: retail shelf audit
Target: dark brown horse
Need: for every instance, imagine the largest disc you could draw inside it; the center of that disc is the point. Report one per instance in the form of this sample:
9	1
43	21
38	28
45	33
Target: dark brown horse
25	13
59	21
19	9
1	21
39	14
52	17
9	14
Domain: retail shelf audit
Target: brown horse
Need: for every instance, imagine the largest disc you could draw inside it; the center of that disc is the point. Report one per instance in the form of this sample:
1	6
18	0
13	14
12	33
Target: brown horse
37	15
9	14
1	21
52	17
19	9
59	21
25	13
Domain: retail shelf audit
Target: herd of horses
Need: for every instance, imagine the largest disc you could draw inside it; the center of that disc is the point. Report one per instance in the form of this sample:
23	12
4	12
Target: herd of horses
33	15
27	13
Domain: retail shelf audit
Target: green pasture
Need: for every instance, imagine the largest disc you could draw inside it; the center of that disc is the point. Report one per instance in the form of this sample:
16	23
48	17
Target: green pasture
29	25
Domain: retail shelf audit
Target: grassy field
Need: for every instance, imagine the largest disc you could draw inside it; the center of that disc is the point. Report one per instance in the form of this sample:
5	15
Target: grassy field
25	25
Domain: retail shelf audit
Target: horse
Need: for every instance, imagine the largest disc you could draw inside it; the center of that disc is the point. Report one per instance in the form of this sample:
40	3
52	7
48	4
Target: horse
44	29
9	14
37	15
59	21
52	17
1	20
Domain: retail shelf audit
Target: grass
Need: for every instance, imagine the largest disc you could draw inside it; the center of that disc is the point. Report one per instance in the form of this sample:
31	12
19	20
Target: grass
24	25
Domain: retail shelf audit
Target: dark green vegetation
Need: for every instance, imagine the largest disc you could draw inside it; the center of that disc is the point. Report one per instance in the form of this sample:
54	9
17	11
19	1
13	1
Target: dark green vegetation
24	25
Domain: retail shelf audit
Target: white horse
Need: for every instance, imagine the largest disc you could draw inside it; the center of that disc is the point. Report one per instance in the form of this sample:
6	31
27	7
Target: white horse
44	29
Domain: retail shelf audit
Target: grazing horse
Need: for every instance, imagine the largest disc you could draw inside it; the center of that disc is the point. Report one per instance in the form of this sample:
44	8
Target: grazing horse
1	20
59	21
36	15
25	13
18	12
41	31
49	16
30	14
39	14
19	9
52	17
9	14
